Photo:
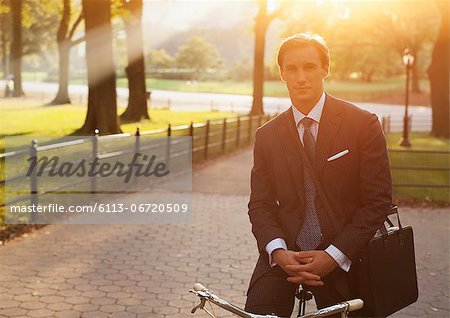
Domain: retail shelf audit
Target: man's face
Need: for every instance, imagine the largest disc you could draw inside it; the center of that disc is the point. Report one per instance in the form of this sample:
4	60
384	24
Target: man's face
303	73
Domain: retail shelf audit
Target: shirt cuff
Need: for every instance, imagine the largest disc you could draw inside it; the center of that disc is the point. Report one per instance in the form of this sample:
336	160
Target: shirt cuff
273	245
343	261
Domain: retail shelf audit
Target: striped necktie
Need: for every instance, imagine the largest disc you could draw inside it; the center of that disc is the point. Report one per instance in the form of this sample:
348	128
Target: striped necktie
309	236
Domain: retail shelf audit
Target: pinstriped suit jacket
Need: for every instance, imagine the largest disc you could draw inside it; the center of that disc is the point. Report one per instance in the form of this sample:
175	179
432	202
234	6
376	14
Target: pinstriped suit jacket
358	184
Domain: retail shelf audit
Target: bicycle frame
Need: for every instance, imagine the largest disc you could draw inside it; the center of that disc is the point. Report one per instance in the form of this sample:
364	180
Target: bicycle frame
206	295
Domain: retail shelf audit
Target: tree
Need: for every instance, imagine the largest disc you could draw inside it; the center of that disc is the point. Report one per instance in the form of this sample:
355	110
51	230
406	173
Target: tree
137	99
368	38
29	33
407	26
262	22
157	59
4	23
198	55
102	103
16	47
64	40
438	73
242	70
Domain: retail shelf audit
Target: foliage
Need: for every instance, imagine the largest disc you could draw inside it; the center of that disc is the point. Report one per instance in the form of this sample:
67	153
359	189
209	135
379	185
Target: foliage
159	59
39	25
242	70
199	55
40	20
367	38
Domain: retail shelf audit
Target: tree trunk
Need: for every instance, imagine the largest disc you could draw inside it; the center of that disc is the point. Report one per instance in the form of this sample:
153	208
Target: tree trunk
415	73
137	99
261	24
4	46
16	47
62	97
102	104
438	73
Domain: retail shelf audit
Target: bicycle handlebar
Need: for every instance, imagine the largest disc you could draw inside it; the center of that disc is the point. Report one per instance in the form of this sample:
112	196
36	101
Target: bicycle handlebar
206	295
198	287
355	304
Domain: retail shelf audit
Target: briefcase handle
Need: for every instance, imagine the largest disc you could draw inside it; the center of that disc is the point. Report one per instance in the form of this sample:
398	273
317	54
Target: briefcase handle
394	210
383	230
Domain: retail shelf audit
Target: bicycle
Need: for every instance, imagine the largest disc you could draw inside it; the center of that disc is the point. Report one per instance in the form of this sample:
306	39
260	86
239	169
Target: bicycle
206	295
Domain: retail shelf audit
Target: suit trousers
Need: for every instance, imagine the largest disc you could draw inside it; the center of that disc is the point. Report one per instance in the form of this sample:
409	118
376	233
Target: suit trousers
273	294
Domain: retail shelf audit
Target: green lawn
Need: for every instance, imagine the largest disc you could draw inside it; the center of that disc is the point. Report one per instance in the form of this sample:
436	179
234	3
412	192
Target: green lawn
27	118
420	141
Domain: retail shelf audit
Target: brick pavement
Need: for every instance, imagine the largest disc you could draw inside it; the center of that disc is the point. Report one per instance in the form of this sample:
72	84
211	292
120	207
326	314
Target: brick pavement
146	270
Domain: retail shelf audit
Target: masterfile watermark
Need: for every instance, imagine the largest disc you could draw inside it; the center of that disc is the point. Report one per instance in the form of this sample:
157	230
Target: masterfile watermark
84	168
125	180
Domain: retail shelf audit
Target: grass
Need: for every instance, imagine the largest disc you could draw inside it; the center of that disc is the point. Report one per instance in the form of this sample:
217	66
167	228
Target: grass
420	141
27	118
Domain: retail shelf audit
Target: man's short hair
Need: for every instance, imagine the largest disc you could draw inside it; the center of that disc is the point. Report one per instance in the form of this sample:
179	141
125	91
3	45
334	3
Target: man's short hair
301	40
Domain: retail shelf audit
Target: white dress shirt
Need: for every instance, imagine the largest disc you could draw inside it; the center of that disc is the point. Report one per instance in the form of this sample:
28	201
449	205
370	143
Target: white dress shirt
315	114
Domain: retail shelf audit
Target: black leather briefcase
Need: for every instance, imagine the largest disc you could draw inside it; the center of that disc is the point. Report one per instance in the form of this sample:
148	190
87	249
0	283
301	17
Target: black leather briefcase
385	274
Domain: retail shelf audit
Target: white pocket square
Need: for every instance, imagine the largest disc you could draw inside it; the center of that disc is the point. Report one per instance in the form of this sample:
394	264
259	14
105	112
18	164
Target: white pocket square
338	155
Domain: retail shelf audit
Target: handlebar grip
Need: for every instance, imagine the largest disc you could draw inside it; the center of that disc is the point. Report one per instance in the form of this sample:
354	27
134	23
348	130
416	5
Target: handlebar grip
355	304
199	287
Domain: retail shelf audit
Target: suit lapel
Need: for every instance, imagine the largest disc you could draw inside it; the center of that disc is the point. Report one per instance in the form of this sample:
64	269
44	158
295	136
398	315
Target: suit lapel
328	128
291	143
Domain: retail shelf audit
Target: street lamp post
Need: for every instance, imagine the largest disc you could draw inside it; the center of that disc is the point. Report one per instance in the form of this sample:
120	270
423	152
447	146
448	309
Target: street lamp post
408	60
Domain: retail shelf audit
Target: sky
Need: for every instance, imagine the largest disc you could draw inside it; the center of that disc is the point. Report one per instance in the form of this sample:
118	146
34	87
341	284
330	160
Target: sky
182	14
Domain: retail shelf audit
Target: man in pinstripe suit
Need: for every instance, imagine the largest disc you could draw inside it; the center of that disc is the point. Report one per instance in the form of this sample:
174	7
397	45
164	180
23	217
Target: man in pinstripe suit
296	241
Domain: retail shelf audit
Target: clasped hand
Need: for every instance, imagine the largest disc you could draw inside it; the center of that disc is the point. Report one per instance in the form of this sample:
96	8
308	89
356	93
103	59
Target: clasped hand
305	267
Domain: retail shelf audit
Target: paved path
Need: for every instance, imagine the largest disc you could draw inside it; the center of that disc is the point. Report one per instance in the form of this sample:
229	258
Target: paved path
196	101
146	270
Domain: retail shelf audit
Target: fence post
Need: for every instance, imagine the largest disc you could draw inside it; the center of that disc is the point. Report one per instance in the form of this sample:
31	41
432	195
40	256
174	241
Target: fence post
224	135
206	139
238	132
33	177
94	157
168	145
410	123
191	130
191	134
137	134
137	147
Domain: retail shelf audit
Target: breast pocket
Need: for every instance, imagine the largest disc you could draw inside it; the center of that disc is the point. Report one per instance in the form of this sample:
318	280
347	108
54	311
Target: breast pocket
341	162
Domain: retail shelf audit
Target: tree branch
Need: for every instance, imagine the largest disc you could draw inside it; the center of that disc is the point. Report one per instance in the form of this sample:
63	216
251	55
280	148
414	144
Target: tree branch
77	41
75	25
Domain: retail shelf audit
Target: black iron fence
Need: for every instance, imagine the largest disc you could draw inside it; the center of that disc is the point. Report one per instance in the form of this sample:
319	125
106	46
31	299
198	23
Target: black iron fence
209	140
395	124
421	174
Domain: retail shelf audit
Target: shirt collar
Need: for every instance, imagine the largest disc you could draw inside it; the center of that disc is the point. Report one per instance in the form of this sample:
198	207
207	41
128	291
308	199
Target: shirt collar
315	113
